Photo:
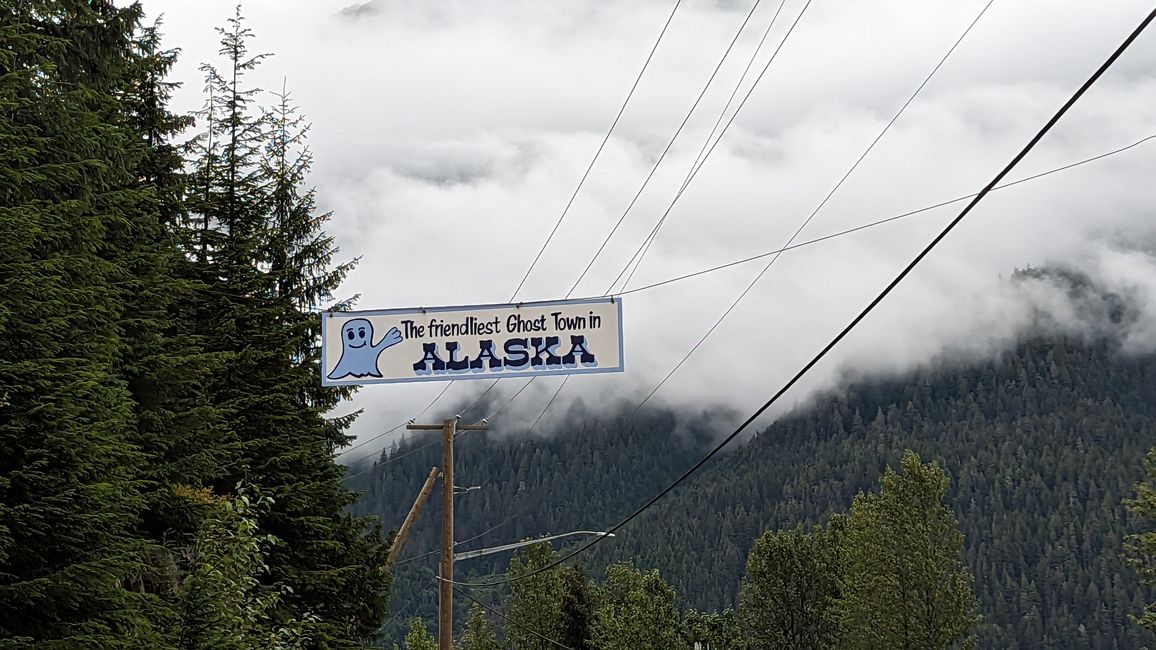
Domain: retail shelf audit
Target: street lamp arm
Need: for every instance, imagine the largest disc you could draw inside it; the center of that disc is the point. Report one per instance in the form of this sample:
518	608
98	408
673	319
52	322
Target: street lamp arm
465	555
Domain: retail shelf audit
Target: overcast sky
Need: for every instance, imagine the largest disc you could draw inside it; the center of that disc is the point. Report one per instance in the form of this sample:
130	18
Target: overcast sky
449	135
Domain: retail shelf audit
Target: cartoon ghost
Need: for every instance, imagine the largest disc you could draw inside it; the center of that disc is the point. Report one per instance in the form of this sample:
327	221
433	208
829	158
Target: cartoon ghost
358	352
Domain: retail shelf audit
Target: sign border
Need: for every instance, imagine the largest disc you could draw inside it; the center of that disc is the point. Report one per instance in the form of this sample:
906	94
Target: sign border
621	367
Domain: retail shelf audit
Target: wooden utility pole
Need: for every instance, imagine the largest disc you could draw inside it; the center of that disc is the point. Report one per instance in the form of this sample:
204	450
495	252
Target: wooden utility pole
410	518
449	429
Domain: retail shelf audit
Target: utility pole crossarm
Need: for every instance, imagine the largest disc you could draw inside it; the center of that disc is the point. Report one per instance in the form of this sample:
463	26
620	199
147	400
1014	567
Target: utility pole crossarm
481	426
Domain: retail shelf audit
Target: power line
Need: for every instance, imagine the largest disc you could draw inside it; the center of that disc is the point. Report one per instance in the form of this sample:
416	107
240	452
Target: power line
386	433
391	459
870	147
714	129
819	207
649	176
573	196
550	403
371	439
841	233
879	222
853	167
673	138
507	620
512	398
701	163
485	532
480	397
398	457
859	318
693	170
654	233
597	153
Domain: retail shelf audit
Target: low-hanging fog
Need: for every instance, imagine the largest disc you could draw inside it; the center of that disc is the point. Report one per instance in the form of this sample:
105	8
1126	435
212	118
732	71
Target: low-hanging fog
450	134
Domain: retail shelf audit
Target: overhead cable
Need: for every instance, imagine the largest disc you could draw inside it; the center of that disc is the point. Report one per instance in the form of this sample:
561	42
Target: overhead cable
856	320
694	170
818	208
879	222
673	138
510	622
597	153
654	232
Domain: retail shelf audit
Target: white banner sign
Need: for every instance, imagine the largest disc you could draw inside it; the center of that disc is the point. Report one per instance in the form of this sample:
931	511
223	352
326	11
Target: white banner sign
564	337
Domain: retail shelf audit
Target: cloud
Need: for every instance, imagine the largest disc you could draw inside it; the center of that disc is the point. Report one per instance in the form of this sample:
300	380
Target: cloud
449	135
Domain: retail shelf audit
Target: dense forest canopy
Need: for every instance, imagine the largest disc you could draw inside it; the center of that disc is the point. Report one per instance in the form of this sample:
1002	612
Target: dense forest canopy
1042	446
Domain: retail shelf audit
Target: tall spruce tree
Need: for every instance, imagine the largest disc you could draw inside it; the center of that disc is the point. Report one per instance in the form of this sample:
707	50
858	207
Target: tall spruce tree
69	493
165	366
333	560
262	248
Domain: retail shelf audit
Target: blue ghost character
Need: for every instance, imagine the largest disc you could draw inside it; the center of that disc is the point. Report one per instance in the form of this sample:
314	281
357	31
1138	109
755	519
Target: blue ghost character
358	352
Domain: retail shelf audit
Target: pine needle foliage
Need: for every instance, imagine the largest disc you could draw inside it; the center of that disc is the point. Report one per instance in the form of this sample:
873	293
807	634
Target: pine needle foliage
70	487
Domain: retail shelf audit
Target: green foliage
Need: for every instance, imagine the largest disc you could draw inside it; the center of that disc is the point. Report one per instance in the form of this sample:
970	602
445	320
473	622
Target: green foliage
268	267
904	583
715	630
790	589
1042	443
536	603
418	637
636	611
579	604
224	604
478	635
70	488
1141	546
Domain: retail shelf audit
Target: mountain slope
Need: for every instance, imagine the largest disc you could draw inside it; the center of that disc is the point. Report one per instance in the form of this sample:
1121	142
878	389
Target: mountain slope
1042	445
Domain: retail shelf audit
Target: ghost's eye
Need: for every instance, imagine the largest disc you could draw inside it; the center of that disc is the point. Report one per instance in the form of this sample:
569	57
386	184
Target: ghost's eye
350	334
361	332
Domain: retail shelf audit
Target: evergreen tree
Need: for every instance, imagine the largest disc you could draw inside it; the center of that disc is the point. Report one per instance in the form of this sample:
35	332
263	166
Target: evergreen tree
165	366
69	490
904	583
261	247
635	611
478	635
790	590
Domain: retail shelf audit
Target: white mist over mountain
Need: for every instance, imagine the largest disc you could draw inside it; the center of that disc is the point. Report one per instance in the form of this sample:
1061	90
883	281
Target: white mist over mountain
449	135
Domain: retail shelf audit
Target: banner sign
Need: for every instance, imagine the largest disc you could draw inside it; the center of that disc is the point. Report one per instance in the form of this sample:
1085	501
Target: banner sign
564	337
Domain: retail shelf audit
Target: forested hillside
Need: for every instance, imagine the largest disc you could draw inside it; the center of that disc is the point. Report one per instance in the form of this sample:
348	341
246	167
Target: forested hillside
1042	446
